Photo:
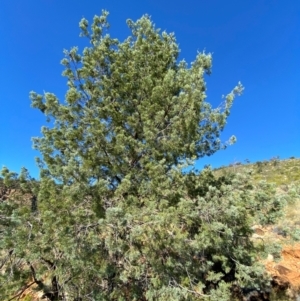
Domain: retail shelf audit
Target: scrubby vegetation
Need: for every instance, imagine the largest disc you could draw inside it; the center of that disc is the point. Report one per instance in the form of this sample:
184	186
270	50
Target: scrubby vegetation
285	176
18	213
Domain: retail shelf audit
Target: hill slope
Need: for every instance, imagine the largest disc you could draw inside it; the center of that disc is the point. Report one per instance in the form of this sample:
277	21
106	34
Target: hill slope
281	241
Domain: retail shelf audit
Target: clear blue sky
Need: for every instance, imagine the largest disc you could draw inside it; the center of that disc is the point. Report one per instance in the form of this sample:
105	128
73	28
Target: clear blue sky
256	42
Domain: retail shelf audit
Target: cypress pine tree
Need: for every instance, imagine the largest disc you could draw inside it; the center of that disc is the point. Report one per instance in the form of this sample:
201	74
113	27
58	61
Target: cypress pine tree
116	216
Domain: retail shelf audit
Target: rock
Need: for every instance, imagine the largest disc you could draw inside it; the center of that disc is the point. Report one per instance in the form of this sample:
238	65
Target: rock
286	273
279	231
259	231
256	236
270	258
282	270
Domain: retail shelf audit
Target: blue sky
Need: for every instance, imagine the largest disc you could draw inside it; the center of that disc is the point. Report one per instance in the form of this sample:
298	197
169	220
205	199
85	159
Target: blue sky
256	42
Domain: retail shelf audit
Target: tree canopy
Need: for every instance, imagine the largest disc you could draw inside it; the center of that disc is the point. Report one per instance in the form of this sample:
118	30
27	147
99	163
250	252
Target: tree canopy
116	214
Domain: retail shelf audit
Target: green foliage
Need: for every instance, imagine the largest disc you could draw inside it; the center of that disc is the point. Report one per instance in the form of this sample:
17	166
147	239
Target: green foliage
116	216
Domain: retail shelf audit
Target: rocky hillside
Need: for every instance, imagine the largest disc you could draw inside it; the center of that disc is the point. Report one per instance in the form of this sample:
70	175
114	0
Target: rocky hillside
281	241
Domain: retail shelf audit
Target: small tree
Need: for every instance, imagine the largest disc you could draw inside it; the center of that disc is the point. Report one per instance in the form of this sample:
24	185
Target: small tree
117	218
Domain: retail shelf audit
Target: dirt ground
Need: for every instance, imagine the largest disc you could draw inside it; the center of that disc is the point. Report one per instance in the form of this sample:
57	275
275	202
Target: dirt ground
286	272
